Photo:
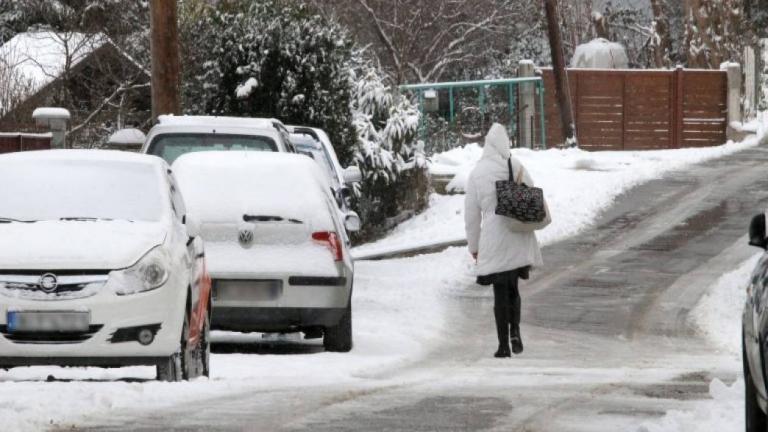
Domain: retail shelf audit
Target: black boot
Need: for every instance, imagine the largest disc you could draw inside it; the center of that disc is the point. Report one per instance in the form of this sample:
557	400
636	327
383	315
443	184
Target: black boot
514	324
502	330
516	339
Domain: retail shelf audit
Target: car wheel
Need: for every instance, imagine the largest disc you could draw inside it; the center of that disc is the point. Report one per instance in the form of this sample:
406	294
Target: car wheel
174	368
755	417
188	352
339	337
170	369
205	345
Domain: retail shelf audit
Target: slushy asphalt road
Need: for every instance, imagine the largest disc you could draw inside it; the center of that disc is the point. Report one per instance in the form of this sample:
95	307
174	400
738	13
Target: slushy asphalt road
609	342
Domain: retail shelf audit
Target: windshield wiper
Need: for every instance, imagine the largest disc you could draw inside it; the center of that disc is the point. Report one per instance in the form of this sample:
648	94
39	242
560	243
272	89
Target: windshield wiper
84	219
259	218
9	220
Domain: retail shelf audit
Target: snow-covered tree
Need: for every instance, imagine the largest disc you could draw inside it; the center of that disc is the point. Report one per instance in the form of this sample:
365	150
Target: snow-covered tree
395	181
716	31
426	40
271	58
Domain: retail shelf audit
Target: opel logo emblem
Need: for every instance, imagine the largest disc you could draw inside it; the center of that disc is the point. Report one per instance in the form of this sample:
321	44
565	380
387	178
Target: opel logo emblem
245	236
48	282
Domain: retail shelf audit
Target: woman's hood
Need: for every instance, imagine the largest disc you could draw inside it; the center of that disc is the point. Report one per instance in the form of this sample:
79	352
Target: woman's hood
496	144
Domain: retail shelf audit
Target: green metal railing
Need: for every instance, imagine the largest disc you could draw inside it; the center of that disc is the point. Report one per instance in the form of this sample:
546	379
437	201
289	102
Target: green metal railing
481	86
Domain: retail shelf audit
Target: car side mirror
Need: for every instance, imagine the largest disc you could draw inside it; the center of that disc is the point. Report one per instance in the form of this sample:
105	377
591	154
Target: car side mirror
352	222
193	225
757	232
127	139
352	175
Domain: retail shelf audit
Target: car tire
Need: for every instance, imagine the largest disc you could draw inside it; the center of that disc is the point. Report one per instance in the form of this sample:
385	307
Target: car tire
754	415
189	354
175	367
339	337
170	369
205	351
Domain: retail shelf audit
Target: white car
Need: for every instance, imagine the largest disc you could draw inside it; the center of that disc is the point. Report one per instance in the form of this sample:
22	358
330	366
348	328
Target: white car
100	265
274	244
174	136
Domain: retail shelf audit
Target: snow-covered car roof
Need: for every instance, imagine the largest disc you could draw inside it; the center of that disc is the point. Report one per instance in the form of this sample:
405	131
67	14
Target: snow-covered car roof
240	122
223	186
83	155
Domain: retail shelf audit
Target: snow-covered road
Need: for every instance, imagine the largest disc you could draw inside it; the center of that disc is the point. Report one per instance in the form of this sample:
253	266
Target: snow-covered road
610	338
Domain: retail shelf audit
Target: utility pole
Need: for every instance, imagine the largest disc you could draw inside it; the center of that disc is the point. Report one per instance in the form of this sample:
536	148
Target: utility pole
558	67
166	64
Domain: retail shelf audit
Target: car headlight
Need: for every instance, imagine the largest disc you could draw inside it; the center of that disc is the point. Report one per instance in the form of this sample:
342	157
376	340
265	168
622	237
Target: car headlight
150	272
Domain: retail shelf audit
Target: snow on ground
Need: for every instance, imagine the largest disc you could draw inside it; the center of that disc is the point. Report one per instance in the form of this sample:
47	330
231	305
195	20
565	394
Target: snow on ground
717	316
578	185
397	315
716	312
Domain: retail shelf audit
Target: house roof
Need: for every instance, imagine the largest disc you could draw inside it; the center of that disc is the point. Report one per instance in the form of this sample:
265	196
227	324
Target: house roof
41	57
38	58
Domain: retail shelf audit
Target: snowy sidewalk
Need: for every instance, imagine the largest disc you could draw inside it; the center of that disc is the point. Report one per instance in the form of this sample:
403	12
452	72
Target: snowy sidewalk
578	186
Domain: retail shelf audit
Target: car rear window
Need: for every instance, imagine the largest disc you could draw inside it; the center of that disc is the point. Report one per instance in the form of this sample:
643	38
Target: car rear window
171	146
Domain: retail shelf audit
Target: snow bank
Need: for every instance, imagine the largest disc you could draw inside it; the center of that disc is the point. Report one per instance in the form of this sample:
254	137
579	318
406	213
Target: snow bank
718	313
724	412
578	185
718	317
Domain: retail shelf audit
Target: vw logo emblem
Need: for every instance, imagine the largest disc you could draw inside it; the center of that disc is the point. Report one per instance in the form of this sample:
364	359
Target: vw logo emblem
245	236
48	282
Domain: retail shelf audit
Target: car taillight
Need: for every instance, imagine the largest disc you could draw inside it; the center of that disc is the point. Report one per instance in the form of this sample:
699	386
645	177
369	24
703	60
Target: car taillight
330	240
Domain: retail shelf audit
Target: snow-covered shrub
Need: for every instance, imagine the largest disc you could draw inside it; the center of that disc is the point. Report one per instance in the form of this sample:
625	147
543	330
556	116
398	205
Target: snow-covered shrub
395	181
271	58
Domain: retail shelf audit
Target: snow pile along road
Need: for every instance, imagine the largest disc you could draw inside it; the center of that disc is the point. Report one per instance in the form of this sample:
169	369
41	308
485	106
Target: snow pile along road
577	184
718	317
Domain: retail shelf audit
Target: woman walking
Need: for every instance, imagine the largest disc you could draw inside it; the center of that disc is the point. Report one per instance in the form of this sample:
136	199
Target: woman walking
503	256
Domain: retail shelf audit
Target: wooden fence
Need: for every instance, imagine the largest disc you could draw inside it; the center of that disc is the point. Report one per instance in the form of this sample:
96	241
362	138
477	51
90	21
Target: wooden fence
14	142
641	109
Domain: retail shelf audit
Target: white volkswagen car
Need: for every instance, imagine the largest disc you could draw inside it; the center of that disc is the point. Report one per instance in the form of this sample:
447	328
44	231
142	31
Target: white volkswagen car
274	244
100	265
174	136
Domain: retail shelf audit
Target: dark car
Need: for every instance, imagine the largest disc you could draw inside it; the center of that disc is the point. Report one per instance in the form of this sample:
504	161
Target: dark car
755	333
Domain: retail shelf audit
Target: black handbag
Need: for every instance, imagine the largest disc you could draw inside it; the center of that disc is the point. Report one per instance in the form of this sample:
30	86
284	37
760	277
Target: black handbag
518	201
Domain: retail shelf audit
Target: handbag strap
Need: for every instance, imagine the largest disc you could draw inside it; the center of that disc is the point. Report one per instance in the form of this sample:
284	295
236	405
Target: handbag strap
511	175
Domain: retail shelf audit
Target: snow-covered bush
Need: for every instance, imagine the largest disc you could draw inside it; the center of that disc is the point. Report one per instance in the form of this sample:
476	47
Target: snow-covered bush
271	58
395	181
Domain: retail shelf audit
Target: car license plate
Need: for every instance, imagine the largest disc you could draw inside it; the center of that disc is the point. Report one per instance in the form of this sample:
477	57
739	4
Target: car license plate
248	290
48	321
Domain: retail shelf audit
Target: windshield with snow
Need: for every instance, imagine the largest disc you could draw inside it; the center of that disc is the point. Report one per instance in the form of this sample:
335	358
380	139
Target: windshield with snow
171	146
80	191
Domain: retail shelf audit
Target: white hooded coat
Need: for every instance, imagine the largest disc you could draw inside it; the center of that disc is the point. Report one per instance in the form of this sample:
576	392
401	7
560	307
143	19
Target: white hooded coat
499	249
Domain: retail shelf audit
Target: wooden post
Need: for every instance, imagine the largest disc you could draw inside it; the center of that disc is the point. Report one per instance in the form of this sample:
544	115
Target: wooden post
166	64
527	104
558	67
679	107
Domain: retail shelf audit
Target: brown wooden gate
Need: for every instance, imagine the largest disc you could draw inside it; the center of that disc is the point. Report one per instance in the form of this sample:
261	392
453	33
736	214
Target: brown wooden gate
641	109
15	142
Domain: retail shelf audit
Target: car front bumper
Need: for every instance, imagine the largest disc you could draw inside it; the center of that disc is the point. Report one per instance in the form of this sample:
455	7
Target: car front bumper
161	309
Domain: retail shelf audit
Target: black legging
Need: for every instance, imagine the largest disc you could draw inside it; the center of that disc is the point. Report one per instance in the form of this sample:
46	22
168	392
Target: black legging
506	306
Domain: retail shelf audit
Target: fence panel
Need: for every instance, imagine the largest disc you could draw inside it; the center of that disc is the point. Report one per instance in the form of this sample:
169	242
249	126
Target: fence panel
705	108
640	109
15	142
